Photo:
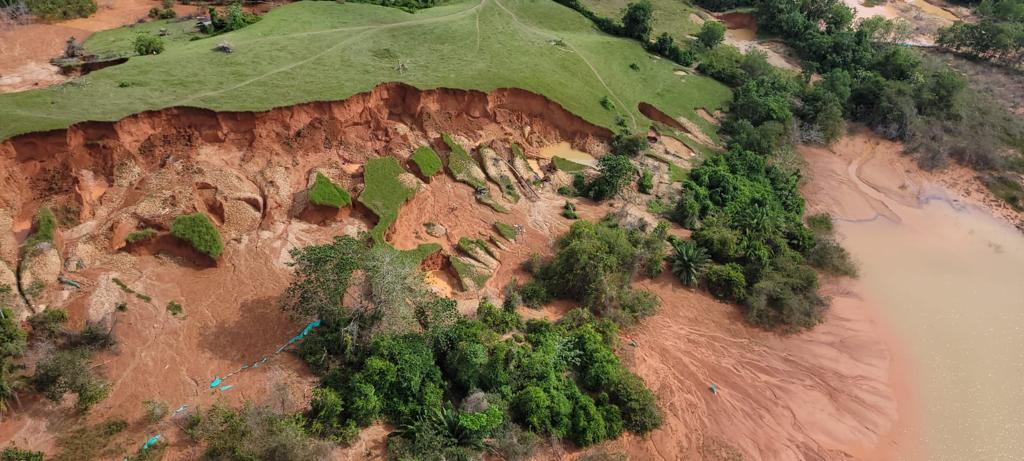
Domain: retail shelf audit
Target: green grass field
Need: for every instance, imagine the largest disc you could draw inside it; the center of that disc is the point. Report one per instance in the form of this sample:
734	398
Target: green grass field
315	51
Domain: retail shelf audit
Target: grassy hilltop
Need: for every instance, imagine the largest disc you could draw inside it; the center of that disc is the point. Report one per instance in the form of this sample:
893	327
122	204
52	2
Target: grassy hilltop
311	51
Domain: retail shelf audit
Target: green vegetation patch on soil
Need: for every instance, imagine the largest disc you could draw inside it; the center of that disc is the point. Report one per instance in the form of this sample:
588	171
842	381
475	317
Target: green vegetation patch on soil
506	231
462	165
427	160
140	235
385	192
198	231
568	166
325	193
292	56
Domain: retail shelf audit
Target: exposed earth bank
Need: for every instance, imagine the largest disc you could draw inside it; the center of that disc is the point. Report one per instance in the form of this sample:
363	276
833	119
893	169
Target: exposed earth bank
825	394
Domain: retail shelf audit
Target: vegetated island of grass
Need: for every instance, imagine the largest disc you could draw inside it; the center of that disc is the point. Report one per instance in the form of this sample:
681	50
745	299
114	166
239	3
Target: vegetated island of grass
427	161
385	192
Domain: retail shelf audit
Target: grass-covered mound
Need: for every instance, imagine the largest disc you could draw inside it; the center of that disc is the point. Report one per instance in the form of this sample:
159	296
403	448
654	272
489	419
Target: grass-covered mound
384	192
462	165
291	57
453	386
427	161
509	232
325	193
43	229
198	231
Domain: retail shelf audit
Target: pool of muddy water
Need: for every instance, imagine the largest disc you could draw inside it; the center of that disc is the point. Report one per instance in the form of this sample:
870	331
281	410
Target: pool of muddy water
565	150
947	276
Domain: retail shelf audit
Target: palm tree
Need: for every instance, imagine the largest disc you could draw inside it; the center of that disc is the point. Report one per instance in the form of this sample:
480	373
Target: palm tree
688	261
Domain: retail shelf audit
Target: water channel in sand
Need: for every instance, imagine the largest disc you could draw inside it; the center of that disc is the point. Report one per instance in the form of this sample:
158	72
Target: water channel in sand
947	276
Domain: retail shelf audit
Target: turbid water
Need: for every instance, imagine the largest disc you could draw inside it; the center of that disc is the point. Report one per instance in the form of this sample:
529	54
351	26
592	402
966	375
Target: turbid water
947	277
565	150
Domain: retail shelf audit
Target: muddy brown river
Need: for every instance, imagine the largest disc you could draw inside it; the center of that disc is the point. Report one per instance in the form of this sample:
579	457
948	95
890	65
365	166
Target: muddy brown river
948	279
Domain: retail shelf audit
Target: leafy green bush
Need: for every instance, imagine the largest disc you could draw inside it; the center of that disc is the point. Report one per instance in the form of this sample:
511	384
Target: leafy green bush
325	193
711	34
57	10
16	454
616	172
148	44
427	161
726	282
629	145
47	324
646	182
67	371
594	264
174	308
501	320
198	231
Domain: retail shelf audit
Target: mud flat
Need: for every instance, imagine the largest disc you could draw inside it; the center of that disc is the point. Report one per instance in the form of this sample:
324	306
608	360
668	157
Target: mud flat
946	276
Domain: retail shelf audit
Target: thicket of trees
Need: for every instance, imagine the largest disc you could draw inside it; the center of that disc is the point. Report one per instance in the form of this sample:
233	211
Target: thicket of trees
998	36
389	349
594	265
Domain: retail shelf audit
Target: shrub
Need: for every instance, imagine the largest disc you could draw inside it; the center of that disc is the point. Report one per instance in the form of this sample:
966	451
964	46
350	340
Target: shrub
68	371
140	235
174	308
711	34
16	454
198	231
47	324
56	10
325	193
616	172
594	264
629	145
89	441
534	294
94	336
646	182
501	320
148	44
726	282
427	161
154	411
253	432
689	261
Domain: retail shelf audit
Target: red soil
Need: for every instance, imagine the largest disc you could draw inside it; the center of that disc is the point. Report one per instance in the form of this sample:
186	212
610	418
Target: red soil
25	50
824	394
